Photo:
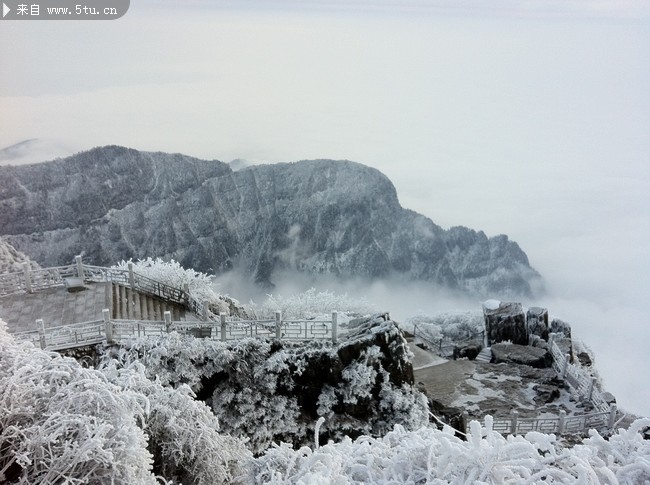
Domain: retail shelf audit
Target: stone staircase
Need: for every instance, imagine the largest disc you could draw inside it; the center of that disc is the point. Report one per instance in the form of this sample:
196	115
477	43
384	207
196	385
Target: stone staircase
485	355
127	304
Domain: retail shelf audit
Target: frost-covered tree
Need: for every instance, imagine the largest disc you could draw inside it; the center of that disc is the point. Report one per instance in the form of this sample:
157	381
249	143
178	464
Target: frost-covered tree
200	285
310	304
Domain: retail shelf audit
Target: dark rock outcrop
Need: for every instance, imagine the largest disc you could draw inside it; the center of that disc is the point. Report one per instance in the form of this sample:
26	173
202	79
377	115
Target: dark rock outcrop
319	216
537	322
522	354
561	327
547	393
506	323
467	351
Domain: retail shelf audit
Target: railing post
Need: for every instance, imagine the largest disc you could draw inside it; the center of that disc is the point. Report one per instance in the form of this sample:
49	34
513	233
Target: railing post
591	389
28	277
80	267
131	277
565	369
222	317
168	321
466	420
108	325
335	326
513	421
204	310
278	325
612	416
560	424
41	332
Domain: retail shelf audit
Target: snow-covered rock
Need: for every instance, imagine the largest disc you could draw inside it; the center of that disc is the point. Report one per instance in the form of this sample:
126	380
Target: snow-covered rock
506	323
522	354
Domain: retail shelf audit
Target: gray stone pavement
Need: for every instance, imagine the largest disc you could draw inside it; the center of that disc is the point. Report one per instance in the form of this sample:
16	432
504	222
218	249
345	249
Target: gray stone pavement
56	306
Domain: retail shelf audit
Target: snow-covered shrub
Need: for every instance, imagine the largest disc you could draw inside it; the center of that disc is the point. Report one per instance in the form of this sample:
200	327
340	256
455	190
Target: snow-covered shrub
174	359
171	273
250	382
429	455
62	423
183	433
311	304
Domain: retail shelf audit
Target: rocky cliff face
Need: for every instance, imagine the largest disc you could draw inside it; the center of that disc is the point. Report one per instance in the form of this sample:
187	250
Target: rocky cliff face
320	216
12	260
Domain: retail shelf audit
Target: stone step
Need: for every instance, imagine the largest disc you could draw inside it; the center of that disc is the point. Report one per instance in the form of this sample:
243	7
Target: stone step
133	305
484	355
122	308
128	304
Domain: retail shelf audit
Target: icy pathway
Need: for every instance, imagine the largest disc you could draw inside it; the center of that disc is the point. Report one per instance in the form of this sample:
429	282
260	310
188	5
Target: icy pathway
423	358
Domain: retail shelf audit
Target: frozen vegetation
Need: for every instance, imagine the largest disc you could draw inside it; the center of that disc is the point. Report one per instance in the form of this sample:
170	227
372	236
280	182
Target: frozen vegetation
171	273
310	304
63	423
429	455
265	392
453	326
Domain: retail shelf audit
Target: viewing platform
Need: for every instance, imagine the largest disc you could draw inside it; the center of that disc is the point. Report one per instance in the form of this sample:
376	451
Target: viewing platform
62	305
78	305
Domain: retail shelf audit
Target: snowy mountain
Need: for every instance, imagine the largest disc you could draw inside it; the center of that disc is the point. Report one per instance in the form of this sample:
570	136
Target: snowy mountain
318	216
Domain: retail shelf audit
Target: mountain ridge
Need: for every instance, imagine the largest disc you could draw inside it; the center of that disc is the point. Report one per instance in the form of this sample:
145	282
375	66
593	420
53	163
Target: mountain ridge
319	216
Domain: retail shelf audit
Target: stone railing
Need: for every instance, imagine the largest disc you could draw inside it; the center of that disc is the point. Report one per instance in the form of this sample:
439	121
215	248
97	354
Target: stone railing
579	380
445	346
562	424
30	280
114	331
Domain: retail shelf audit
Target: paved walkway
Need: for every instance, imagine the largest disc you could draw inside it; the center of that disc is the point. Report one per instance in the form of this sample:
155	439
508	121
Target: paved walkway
56	306
423	358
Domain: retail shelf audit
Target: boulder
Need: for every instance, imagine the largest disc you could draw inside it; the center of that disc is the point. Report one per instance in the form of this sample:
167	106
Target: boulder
468	351
584	359
546	393
560	326
537	341
505	323
537	322
522	354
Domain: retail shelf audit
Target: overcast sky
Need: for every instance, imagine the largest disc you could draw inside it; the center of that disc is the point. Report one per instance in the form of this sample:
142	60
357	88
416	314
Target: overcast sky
525	118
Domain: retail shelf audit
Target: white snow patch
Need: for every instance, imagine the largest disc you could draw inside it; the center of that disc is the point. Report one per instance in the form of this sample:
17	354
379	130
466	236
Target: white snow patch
491	304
